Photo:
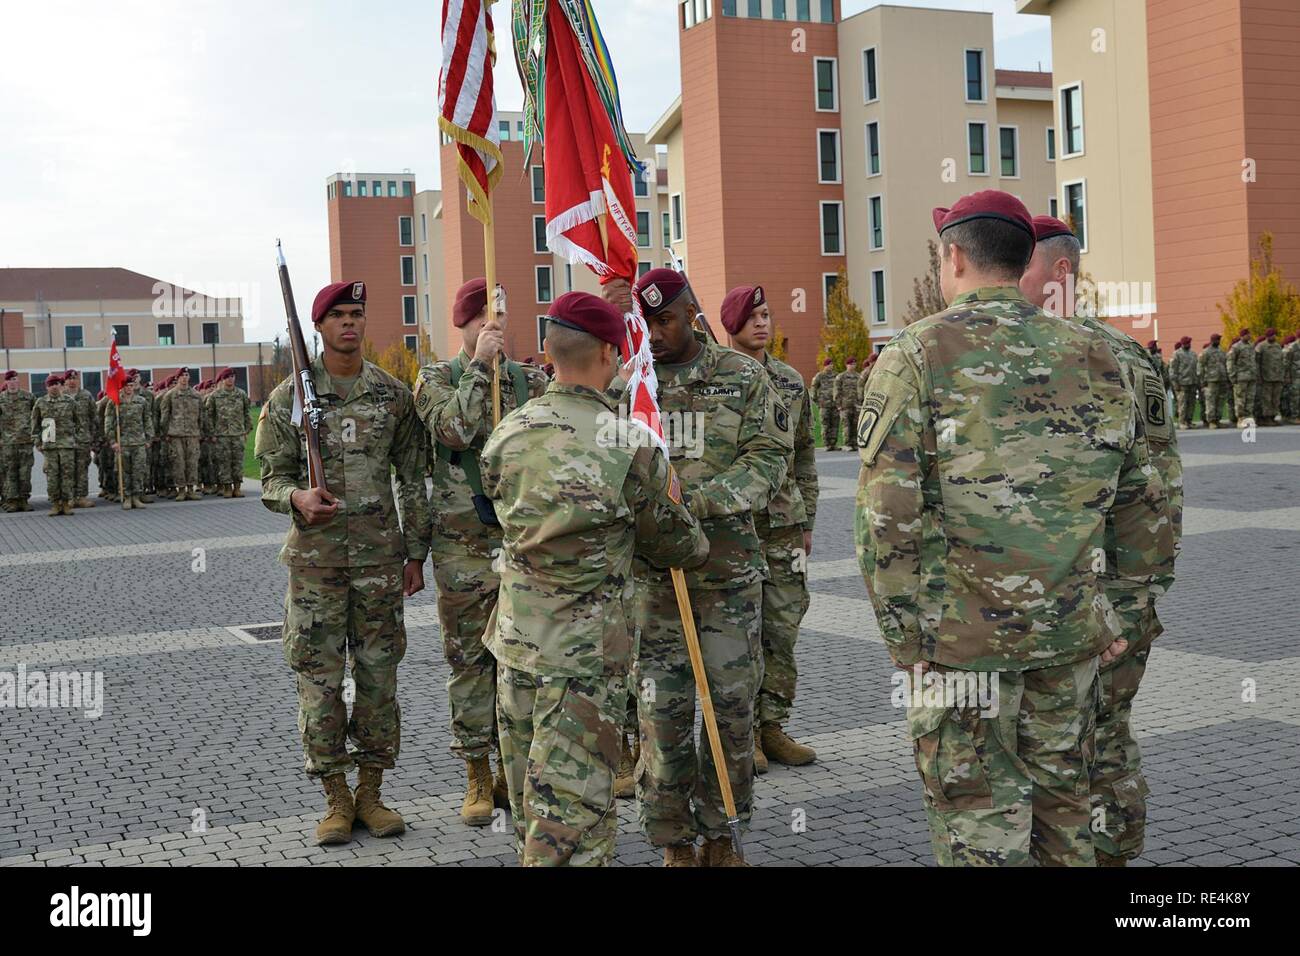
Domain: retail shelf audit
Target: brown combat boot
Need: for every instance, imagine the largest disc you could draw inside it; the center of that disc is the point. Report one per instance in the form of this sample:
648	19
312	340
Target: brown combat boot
760	758
148	499
625	777
83	503
476	811
379	820
236	491
780	747
8	505
719	853
683	855
227	491
340	811
136	502
1105	859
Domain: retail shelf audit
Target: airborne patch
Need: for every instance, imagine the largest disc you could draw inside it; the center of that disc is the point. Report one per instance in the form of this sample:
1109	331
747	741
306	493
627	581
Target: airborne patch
872	407
1155	401
781	417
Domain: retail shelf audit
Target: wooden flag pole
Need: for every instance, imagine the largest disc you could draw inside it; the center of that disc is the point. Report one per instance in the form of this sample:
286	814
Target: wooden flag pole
490	274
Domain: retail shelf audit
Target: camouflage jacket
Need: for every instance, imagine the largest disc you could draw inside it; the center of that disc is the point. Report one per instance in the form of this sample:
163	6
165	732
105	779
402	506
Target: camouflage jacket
137	427
573	510
364	438
180	414
823	388
1291	355
1241	363
1212	366
796	502
997	442
151	400
731	439
1270	361
54	422
1182	370
16	417
846	388
227	412
87	426
460	419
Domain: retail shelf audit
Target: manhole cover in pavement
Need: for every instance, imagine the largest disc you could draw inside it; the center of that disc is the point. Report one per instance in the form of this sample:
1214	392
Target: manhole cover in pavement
258	633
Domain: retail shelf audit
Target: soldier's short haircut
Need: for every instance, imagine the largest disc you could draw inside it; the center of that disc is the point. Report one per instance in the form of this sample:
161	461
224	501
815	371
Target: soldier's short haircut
993	246
571	348
1063	247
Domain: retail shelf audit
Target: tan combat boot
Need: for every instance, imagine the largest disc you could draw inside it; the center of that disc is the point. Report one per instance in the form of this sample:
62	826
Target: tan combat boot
181	495
236	490
148	499
719	853
625	777
780	747
126	504
379	820
336	825
56	509
683	855
760	758
476	811
8	505
227	491
83	503
136	502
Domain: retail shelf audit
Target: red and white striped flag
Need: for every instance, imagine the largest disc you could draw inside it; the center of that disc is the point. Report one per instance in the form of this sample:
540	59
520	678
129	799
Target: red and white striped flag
467	109
643	385
116	374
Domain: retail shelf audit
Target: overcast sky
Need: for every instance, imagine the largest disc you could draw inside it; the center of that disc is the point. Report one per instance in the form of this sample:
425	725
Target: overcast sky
181	139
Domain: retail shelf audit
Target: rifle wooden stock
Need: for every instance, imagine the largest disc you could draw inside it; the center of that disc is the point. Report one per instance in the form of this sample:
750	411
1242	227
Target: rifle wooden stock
303	386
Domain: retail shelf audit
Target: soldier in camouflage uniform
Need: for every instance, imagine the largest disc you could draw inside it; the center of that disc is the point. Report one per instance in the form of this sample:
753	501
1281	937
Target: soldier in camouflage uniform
575	501
16	457
227	407
1118	787
1272	373
180	415
998	446
350	561
1242	372
847	399
205	484
1290	377
132	415
54	429
1182	372
1158	357
104	457
454	401
785	527
1212	370
823	393
87	435
146	393
731	438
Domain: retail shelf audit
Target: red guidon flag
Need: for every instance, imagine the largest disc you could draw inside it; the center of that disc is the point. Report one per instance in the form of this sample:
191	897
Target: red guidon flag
467	110
116	374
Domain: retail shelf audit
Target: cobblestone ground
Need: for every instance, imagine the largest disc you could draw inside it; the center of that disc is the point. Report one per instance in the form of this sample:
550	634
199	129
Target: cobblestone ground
199	724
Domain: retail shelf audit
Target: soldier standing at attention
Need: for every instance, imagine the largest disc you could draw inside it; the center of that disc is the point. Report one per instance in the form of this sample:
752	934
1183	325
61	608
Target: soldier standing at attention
454	401
54	430
1272	373
1212	370
87	435
1182	371
136	430
146	393
823	393
848	400
1242	372
104	458
785	526
180	413
997	442
227	408
16	456
1118	787
350	561
574	507
731	439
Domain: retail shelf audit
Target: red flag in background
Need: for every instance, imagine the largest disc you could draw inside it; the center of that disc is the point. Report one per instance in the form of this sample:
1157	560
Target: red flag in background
116	374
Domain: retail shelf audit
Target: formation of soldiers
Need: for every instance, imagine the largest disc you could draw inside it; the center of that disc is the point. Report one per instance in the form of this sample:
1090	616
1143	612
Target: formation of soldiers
1255	378
176	440
839	398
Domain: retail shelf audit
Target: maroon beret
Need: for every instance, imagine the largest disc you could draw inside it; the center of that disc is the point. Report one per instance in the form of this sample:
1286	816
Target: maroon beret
851	360
1288	340
54	379
737	305
1215	336
985	204
1153	344
591	314
471	298
225	374
179	372
70	371
133	373
827	363
1049	227
351	292
658	289
1269	333
10	374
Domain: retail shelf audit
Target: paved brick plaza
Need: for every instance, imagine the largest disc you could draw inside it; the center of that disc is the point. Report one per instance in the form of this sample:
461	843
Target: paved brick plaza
196	719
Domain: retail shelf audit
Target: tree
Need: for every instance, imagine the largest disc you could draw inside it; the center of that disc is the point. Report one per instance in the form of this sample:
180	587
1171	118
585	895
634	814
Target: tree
927	295
399	361
1265	300
844	334
777	344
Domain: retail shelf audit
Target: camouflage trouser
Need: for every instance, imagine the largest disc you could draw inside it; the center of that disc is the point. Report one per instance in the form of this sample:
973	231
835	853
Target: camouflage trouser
1009	789
228	460
60	473
673	771
1243	399
183	460
325	610
135	470
850	418
467	593
1288	400
785	601
1270	400
1118	787
157	479
560	746
1185	403
1212	410
16	463
106	468
81	471
830	426
205	462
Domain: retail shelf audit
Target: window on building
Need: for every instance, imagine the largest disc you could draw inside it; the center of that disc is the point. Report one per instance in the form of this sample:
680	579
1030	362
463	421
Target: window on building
828	11
977	149
347	187
755	8
92	381
378	191
688	14
72	337
876	221
404	237
873	149
329	191
668	229
803	10
211	333
36	381
408	270
408	188
679	224
392	188
642	229
974	76
541	333
829	281
1072	119
424	228
832	228
1009	152
428	315
539	235
778	9
166	333
1051	144
426	268
361	187
642	268
824	73
503	127
539	184
878	314
870	93
544	291
519	130
568	277
411	342
1052	207
1076	211
640	182
408	310
728	8
122	335
828	156
146	376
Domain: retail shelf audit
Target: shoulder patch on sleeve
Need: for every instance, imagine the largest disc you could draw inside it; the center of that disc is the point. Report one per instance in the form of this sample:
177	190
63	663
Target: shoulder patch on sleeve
1155	407
880	409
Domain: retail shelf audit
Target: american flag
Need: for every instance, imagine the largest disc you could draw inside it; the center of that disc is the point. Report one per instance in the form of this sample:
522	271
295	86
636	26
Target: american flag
467	111
116	374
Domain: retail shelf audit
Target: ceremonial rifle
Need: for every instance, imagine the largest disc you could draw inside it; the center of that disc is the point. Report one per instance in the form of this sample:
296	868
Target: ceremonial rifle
307	409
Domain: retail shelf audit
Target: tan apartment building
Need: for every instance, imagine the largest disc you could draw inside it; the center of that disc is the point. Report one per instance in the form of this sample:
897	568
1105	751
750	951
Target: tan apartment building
68	318
1178	149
